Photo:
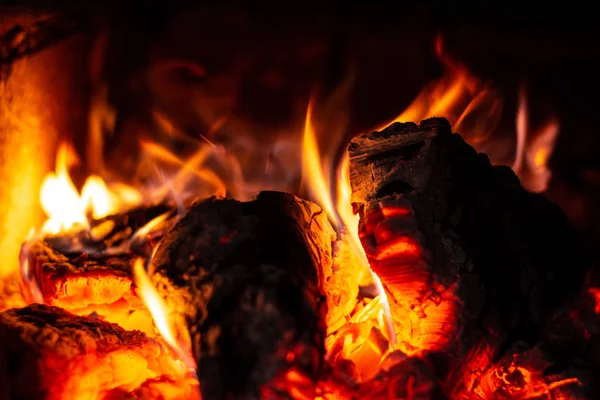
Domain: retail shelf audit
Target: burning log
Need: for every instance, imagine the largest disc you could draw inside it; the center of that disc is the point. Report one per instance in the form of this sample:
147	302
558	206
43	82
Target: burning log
48	353
249	279
467	257
89	272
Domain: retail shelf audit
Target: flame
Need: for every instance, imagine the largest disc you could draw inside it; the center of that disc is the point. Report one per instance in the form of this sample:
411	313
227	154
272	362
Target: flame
316	171
532	154
59	198
191	168
317	175
470	105
67	209
160	313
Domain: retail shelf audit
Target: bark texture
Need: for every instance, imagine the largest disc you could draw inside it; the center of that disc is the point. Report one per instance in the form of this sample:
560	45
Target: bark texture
250	281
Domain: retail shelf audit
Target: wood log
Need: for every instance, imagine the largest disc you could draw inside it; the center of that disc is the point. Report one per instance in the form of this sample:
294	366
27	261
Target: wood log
465	254
250	280
89	272
48	353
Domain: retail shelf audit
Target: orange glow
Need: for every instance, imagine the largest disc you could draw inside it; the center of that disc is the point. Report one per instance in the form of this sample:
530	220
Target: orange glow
519	381
160	313
66	208
398	248
595	292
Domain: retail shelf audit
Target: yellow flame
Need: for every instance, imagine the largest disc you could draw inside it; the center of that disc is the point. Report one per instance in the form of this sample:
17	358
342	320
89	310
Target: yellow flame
96	196
315	172
160	312
59	198
67	209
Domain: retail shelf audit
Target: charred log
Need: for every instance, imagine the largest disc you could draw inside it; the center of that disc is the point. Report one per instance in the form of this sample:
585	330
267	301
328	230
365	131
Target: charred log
48	353
467	256
252	277
89	271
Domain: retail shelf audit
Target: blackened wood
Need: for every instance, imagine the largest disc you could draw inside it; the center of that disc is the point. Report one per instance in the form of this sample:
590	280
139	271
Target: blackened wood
499	258
253	276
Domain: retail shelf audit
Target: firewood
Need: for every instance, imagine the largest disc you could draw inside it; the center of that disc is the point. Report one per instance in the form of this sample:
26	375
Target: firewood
48	353
250	280
79	280
89	272
465	254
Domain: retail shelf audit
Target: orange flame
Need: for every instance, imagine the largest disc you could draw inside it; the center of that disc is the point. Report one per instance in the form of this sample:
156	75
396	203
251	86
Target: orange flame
160	313
470	105
474	109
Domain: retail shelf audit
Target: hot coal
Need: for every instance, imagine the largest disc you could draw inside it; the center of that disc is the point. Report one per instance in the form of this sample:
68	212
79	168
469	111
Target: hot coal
48	353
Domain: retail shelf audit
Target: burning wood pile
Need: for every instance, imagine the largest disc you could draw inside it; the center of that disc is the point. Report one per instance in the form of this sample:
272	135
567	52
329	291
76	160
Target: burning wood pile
476	292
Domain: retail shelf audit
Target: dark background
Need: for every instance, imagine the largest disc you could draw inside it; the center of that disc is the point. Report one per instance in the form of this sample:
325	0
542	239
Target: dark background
261	62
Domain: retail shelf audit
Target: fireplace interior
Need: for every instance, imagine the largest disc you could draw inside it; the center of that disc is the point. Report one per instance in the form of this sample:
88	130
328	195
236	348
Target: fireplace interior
300	201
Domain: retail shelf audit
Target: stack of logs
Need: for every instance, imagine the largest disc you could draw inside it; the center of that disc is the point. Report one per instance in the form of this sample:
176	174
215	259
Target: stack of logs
485	283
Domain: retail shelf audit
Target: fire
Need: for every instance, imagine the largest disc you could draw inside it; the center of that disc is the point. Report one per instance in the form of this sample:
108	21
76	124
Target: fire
160	313
66	208
318	175
474	109
469	104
